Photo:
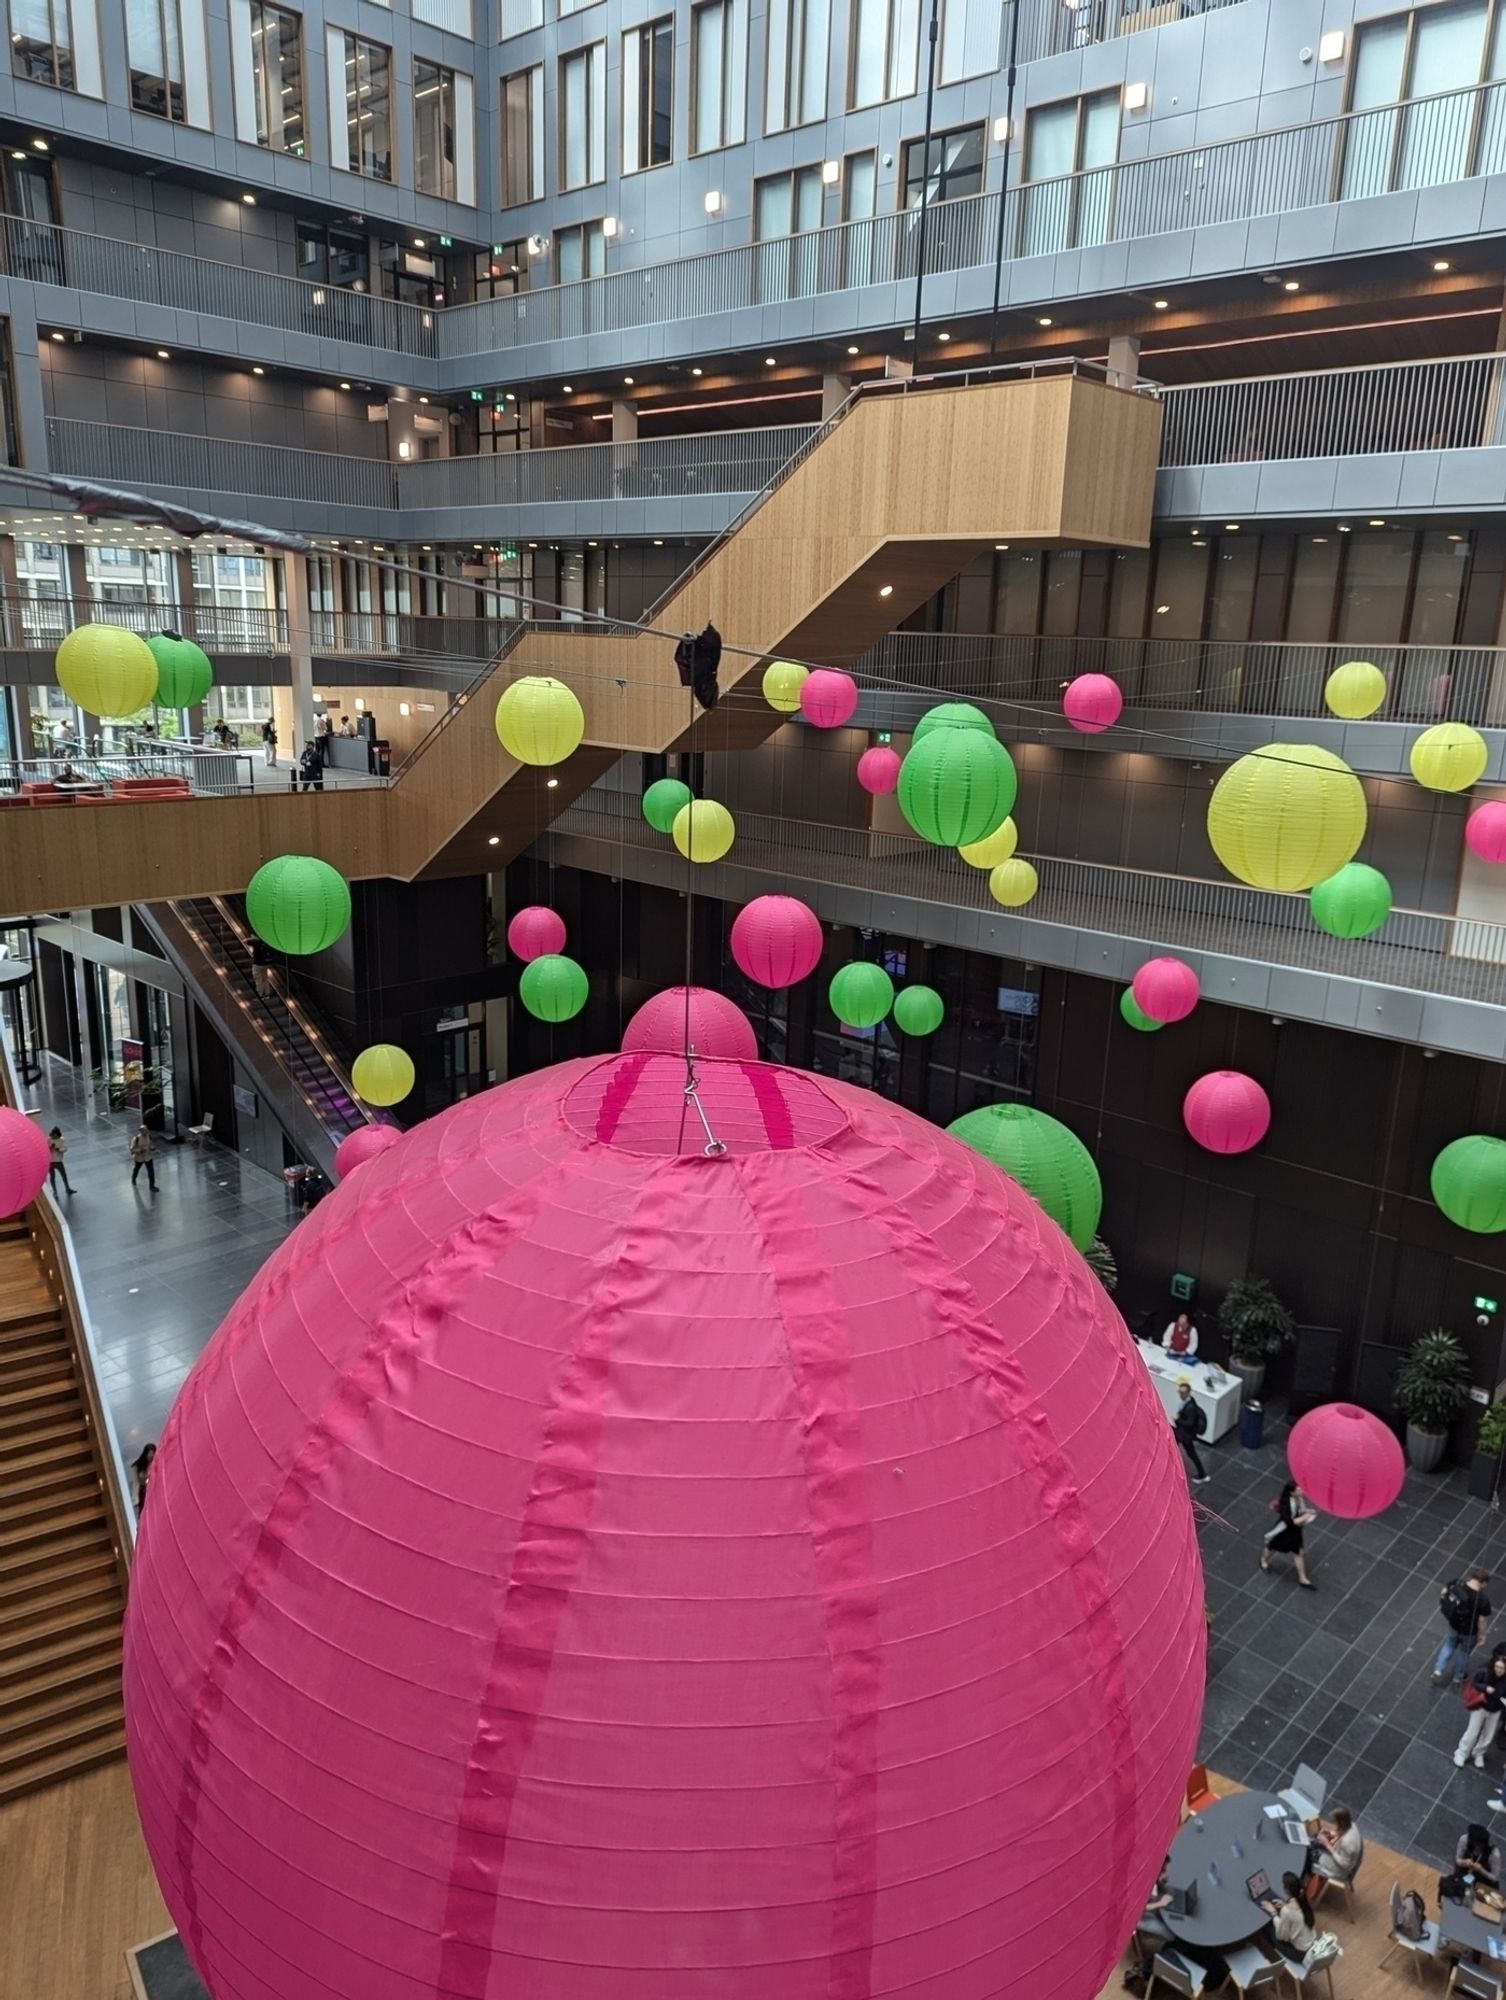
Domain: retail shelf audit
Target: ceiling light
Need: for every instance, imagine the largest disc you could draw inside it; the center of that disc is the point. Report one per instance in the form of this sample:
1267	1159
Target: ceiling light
423	399
1043	322
40	145
713	203
163	355
249	200
1442	264
1291	285
1136	96
769	361
569	389
60	336
1001	545
629	380
1343	527
1456	538
344	385
609	226
852	350
658	544
18	156
1160	304
258	371
831	172
1377	524
943	336
552	784
495	840
419	243
695	371
1231	527
886	590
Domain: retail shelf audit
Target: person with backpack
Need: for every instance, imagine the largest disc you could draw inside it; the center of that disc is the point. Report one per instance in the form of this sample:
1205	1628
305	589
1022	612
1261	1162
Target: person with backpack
1466	1612
1285	1538
1484	1698
1189	1424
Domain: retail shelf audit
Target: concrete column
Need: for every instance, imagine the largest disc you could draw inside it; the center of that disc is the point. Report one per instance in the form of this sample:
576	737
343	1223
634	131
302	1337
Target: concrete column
10	586
835	389
76	568
188	625
624	423
1124	361
300	650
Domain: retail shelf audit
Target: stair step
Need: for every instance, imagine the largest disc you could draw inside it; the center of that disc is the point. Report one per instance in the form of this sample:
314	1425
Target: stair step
26	1333
71	1451
56	1670
40	1553
80	1623
75	1579
37	1402
65	1747
35	1373
55	1487
25	1438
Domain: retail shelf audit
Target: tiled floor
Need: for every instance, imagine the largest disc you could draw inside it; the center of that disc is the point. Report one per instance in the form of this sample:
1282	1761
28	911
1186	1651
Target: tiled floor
160	1271
1340	1677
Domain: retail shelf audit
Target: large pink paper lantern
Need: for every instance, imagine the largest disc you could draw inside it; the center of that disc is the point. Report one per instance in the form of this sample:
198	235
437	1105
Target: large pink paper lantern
828	698
587	1566
1165	989
1346	1461
363	1144
24	1160
776	940
536	932
878	769
718	1026
1485	831
1092	703
1227	1112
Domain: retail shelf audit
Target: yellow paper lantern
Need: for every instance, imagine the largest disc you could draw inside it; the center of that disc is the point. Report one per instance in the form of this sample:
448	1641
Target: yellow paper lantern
382	1074
1355	690
1449	757
1013	883
539	720
106	670
993	847
1286	816
782	683
703	830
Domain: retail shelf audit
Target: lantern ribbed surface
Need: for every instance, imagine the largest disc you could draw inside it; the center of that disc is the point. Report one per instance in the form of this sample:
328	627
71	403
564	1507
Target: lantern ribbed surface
1449	757
717	1025
919	1010
1286	816
1352	903
361	1145
878	769
1346	1461
1485	831
782	683
776	940
1092	703
1165	989
24	1160
1227	1111
184	672
828	697
539	720
298	904
704	830
1047	1159
383	1074
994	848
956	785
535	930
106	670
1354	690
554	987
951	715
663	801
582	1567
1468	1180
1013	883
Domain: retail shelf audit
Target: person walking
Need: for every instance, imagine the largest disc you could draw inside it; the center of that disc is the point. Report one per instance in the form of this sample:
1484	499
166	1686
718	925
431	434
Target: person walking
323	726
1190	1424
1285	1538
142	1156
269	743
57	1146
1466	1612
1484	1697
310	770
141	1465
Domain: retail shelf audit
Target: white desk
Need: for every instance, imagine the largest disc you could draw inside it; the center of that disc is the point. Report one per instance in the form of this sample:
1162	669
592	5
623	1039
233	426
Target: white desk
1218	1399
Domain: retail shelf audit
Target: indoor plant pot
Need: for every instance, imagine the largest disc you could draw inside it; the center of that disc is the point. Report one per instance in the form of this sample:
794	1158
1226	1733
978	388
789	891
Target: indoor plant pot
1256	1325
1432	1393
1485	1460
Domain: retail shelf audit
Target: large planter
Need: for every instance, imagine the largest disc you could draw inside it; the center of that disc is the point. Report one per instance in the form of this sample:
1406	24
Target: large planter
1251	1378
1425	1449
1484	1471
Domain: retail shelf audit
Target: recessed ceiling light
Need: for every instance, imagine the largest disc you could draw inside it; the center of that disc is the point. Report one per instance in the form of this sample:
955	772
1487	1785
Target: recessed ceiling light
18	156
1043	322
419	243
769	361
163	355
943	336
344	385
629	380
258	371
1291	285
695	371
60	336
658	544
1456	538
424	399
852	350
1161	305
1343	527
40	145
569	389
1231	527
1442	264
1001	545
1377	524
552	784
495	840
886	590
249	200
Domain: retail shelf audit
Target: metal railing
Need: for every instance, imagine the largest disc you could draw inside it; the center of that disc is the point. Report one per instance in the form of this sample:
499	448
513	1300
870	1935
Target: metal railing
1424	684
1418	950
1055	27
1386	406
43	621
179	460
648	469
93	774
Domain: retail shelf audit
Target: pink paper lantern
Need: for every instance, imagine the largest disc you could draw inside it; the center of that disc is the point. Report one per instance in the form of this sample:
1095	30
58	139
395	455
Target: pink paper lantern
718	1027
363	1144
878	769
1092	703
1227	1112
1485	831
776	940
1346	1461
1165	989
828	698
24	1160
536	932
586	1566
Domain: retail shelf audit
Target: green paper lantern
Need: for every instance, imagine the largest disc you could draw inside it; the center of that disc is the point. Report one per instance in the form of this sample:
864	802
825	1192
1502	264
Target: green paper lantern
298	904
1352	903
1469	1183
106	670
952	715
860	994
662	801
553	988
956	784
919	1010
1047	1160
184	673
1130	1010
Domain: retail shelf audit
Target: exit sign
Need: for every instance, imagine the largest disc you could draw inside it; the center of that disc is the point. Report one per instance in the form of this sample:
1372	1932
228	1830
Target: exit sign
1183	1285
884	736
447	243
1483	1305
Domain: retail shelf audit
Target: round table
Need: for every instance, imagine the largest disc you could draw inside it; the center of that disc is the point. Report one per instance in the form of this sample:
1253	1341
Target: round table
1224	1914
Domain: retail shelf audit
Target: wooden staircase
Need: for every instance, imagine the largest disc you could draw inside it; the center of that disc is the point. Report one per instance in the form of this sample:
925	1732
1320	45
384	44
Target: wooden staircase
61	1586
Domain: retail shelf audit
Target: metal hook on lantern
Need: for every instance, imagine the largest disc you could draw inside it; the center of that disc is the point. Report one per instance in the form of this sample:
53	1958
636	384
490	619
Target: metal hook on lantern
714	1147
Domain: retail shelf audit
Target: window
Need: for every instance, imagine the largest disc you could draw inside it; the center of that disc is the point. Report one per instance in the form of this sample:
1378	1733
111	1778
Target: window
443	140
267	43
54	42
1062	142
501	272
969	38
454	16
784	207
34	247
648	86
859	187
333	256
1432	53
580	252
954	167
523	136
164	46
718	74
518	16
573	6
583	116
795	86
885	43
360	88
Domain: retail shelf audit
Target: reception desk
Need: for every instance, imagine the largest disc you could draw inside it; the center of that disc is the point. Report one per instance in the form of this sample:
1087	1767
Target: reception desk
1214	1390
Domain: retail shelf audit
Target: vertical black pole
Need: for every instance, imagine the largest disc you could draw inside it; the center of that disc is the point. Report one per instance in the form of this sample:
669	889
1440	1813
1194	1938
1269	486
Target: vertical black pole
1014	51
925	182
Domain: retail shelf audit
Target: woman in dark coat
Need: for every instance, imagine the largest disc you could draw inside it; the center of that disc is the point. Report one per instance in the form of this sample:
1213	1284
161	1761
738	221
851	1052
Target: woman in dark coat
1286	1537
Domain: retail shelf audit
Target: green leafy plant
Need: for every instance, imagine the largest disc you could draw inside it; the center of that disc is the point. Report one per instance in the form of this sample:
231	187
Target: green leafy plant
1491	1436
1099	1259
1432	1389
1254	1321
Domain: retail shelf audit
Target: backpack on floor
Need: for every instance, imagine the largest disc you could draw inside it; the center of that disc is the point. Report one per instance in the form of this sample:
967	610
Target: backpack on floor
1323	1950
1411	1918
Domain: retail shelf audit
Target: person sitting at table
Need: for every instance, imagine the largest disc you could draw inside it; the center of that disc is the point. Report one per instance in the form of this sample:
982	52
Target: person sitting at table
1340	1848
1180	1337
1291	1918
1478	1855
1153	1931
68	780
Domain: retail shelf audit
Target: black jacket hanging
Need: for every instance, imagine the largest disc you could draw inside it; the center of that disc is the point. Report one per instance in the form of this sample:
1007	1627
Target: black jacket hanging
698	656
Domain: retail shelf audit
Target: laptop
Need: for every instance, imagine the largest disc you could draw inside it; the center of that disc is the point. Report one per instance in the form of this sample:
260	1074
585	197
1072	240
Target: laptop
1183	1901
1259	1886
1295	1831
1304	1796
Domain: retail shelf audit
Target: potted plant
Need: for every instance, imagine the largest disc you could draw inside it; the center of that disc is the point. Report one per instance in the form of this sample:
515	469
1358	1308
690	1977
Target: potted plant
1257	1326
1099	1259
1432	1393
1490	1444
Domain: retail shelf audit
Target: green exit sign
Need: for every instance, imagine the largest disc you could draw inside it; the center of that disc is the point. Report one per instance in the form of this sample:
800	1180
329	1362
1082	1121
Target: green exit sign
508	552
478	395
1183	1285
1483	1305
884	736
447	243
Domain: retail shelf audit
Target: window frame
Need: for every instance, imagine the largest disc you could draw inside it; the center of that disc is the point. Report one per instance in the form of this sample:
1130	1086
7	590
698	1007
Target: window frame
583	54
891	17
637	34
1077	174
1493	23
909	146
169	83
444	75
300	152
351	163
733	116
791	8
537	150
